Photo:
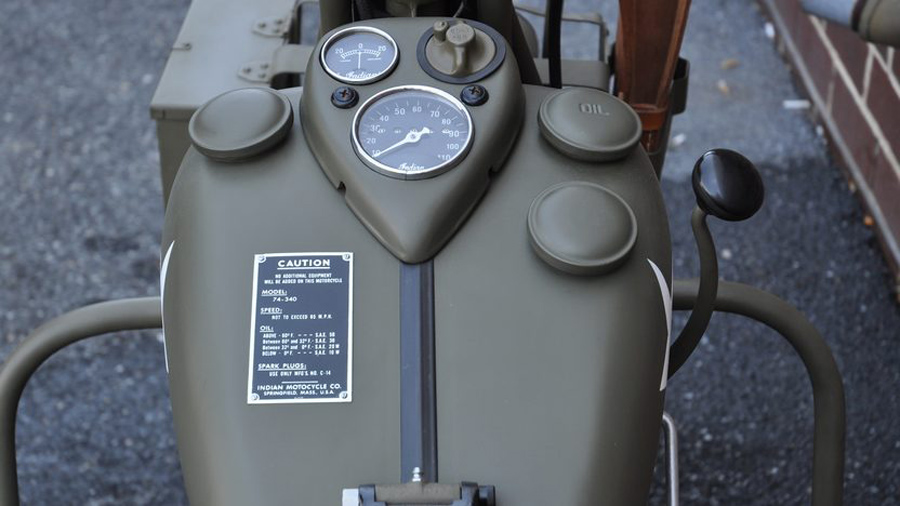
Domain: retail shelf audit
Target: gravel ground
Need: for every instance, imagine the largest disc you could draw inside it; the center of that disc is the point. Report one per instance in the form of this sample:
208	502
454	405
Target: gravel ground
81	216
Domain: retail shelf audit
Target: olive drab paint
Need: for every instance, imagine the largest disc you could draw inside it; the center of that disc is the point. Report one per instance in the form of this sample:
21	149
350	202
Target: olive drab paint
482	316
533	369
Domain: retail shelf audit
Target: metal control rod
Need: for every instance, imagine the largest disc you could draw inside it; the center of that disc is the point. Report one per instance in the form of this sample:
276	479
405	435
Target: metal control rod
88	321
703	305
828	388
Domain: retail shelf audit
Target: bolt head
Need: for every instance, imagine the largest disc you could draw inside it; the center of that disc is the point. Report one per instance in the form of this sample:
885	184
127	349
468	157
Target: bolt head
344	97
474	95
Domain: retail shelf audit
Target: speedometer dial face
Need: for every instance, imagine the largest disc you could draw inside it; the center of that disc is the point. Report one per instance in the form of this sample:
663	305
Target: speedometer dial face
412	132
359	55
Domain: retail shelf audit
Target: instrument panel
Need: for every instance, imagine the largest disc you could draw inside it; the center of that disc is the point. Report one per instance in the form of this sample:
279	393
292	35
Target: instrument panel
421	129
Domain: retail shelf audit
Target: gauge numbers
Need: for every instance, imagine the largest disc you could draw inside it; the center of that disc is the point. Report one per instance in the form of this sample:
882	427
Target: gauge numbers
359	55
412	132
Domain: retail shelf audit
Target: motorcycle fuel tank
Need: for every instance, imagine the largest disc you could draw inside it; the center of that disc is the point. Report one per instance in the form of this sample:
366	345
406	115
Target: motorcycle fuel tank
396	268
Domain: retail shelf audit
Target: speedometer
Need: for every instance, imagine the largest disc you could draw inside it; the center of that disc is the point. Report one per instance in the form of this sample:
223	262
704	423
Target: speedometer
412	132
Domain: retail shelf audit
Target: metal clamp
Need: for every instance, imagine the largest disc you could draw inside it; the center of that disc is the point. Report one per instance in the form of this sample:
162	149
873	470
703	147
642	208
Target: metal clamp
420	493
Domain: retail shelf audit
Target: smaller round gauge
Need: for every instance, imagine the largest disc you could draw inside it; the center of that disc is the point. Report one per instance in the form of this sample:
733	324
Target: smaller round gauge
359	55
412	132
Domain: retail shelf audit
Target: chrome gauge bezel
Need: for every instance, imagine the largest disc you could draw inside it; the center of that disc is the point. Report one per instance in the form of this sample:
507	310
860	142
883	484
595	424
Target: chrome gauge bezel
427	172
337	36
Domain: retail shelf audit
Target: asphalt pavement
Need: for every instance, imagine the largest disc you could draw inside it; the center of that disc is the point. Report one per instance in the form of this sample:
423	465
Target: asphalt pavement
81	215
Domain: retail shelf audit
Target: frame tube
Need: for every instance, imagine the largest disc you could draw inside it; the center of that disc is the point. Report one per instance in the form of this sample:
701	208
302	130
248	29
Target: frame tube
144	313
828	388
88	321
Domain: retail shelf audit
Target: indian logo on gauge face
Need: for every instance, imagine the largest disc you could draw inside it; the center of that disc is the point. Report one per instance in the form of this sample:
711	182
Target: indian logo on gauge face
412	132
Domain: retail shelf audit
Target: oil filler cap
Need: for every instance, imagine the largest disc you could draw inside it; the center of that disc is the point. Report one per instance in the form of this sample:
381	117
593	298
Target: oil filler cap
589	125
581	228
240	124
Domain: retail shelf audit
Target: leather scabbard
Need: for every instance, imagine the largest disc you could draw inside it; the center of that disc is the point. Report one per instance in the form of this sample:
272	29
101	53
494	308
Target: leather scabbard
648	43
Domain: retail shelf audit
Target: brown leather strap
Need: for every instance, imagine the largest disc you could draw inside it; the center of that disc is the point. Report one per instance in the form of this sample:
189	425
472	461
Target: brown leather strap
652	117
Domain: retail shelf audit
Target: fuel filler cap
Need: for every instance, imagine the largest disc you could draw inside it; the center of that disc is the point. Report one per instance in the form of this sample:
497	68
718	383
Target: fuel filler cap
581	228
240	124
590	125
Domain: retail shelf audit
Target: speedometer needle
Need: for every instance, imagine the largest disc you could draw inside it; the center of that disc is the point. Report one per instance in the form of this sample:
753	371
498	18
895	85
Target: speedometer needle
412	137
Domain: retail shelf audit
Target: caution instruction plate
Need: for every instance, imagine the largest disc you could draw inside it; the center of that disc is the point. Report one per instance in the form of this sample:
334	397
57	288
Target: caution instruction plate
301	337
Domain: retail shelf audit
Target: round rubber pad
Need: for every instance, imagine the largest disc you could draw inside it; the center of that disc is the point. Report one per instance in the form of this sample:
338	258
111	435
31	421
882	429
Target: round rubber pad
240	124
581	228
590	125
